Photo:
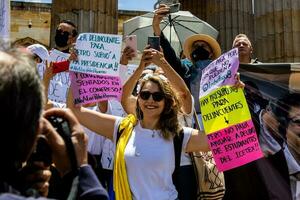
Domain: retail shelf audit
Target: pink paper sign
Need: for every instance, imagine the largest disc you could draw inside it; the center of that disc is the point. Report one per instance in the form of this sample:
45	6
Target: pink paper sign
235	146
90	88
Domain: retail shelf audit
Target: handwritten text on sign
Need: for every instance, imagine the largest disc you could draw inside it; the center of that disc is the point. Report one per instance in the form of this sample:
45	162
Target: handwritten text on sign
220	72
98	54
223	107
89	88
60	83
235	146
225	115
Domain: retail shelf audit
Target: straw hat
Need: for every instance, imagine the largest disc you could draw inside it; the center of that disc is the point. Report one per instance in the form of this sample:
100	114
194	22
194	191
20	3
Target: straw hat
187	48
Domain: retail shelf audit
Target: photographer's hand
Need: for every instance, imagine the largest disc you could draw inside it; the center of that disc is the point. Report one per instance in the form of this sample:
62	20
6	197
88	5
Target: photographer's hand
37	176
57	145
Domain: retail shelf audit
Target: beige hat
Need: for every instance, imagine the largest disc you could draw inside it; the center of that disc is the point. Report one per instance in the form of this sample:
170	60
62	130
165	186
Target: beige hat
39	50
187	48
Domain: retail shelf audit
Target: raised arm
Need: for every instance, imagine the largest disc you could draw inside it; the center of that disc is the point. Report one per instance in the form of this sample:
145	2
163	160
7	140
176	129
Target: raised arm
100	123
176	81
197	142
128	101
48	75
169	52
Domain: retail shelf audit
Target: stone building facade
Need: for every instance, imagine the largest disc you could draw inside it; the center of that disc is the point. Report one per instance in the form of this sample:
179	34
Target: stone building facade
30	23
272	25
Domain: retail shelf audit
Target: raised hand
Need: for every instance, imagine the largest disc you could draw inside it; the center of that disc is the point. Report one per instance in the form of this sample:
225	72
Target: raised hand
146	57
159	14
127	55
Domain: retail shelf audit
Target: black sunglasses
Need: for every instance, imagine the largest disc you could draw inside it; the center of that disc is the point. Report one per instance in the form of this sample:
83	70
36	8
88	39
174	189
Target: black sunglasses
156	96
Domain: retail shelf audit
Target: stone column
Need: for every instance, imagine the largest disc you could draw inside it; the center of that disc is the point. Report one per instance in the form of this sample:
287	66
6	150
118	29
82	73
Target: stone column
98	16
229	17
277	30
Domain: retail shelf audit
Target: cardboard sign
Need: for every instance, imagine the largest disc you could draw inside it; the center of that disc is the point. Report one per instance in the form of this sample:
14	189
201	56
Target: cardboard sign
60	83
98	54
224	107
89	88
220	72
225	115
235	146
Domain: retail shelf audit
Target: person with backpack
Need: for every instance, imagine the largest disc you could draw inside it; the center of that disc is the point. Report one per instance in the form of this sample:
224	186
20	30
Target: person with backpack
187	181
145	154
149	142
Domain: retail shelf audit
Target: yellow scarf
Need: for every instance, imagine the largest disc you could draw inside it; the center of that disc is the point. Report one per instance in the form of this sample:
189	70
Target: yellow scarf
121	185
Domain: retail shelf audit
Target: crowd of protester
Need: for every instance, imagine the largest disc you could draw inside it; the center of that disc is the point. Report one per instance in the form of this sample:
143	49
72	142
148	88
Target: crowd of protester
128	149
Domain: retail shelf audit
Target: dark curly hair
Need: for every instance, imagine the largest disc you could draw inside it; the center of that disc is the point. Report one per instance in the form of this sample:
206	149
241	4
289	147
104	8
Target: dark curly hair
168	122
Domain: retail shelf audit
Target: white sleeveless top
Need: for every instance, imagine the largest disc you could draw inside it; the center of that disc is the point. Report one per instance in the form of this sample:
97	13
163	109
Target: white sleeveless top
150	162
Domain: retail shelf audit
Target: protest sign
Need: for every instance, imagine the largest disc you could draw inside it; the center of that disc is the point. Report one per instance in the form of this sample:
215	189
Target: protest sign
41	67
220	72
235	145
60	83
95	75
89	88
98	54
223	107
225	115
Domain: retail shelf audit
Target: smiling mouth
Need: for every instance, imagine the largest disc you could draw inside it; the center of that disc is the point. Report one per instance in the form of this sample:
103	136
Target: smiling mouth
151	107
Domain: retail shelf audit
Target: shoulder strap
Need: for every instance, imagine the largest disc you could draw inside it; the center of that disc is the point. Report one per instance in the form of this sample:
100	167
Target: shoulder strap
177	141
119	133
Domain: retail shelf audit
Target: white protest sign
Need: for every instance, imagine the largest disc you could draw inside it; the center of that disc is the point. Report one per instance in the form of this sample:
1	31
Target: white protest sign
41	67
4	19
98	54
60	83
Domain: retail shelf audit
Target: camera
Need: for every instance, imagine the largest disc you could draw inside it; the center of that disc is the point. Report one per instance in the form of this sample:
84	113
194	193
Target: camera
42	151
61	126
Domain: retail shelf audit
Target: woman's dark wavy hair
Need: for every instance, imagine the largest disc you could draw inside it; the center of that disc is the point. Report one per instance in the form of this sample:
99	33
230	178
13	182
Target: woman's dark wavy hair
168	122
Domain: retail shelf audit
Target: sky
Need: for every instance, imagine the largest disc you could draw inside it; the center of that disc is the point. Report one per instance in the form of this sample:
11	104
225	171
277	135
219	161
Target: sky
141	5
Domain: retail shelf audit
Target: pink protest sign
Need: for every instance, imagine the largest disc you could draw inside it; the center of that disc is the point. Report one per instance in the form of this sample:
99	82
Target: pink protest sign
235	145
220	72
90	88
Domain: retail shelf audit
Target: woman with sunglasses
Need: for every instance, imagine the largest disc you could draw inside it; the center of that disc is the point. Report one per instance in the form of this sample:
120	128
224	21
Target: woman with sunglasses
148	154
167	73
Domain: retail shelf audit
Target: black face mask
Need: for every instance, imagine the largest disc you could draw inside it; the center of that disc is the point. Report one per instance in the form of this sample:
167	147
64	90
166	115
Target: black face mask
199	54
61	38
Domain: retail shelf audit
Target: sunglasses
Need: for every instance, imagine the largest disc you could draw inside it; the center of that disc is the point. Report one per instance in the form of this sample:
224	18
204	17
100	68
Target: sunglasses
156	96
